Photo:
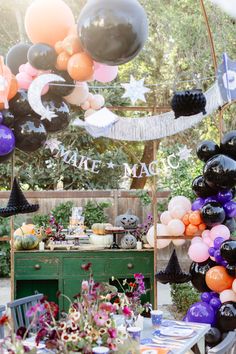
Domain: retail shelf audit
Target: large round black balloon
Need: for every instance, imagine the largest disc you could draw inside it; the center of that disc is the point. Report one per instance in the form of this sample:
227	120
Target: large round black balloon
62	111
228	144
30	133
213	337
231	270
207	149
231	224
113	32
8	118
212	214
226	317
198	272
201	188
42	56
228	251
60	89
17	56
220	171
19	105
5	158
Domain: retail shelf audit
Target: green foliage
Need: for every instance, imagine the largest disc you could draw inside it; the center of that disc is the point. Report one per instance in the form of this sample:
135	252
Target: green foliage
93	212
5	229
4	259
183	296
144	197
61	213
40	220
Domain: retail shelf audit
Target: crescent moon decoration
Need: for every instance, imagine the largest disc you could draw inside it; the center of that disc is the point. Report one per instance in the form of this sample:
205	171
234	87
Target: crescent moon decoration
34	95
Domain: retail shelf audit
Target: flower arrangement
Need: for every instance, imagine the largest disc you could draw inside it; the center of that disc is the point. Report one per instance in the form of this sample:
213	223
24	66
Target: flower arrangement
142	229
54	231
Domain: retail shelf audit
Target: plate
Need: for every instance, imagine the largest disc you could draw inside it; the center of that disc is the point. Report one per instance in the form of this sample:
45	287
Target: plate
176	332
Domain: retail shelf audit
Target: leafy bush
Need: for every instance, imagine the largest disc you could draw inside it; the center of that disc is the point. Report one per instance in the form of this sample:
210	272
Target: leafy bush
94	213
183	296
61	213
4	259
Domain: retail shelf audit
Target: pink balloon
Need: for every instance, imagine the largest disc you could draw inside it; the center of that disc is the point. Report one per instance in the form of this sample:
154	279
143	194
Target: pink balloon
79	95
220	231
208	241
198	252
97	102
196	240
89	112
206	233
30	70
86	105
22	68
177	212
181	201
234	285
24	80
176	227
227	295
161	231
45	90
104	73
165	217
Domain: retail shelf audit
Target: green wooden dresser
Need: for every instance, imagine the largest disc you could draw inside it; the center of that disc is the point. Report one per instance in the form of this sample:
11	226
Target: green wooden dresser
48	272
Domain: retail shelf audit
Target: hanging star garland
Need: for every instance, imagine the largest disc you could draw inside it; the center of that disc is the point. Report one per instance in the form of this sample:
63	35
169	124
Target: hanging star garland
111	165
135	90
184	153
52	144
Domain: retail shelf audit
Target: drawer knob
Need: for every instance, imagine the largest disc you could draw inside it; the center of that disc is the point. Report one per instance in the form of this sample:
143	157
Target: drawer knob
37	267
130	266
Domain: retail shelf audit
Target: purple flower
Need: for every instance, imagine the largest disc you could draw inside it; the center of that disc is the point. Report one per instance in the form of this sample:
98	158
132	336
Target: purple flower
38	308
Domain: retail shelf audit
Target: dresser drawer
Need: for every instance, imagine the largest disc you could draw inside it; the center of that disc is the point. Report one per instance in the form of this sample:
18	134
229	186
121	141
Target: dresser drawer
47	266
74	266
129	265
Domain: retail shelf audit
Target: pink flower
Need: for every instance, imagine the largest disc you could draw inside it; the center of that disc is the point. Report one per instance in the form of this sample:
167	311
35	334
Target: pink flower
126	311
112	346
85	285
38	308
108	307
112	332
100	318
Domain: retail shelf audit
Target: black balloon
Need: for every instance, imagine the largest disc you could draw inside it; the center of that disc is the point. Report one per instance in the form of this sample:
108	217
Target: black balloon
60	89
228	251
188	103
30	133
207	149
231	270
19	105
228	144
220	171
42	56
198	272
212	214
8	118
231	224
213	337
113	32
17	56
201	188
226	317
61	109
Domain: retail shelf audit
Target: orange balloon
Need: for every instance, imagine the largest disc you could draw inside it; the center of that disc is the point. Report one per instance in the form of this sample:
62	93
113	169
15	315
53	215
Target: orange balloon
59	47
202	227
191	230
217	279
80	67
195	218
48	21
73	31
185	219
71	45
62	61
13	88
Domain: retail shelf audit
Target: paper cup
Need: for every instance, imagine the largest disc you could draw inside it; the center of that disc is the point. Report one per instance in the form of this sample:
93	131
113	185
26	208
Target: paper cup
135	333
156	316
100	350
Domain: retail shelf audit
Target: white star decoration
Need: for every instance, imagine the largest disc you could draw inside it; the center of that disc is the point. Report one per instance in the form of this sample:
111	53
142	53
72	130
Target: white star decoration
135	90
52	144
48	114
184	153
110	165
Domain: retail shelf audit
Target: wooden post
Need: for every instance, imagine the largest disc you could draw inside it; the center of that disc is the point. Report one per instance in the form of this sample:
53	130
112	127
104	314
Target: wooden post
12	233
154	207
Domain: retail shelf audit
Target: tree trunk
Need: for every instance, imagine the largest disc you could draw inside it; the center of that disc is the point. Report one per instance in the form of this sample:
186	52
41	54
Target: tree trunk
147	158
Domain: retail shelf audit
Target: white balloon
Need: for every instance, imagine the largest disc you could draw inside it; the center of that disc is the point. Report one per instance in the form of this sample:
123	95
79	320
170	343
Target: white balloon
86	105
180	201
35	91
79	95
178	242
165	217
89	112
161	231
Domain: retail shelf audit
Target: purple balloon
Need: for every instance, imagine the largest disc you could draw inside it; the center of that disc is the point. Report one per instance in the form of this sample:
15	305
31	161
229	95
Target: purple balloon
224	196
211	199
201	312
230	209
211	251
218	242
7	140
218	257
215	303
206	297
198	204
224	263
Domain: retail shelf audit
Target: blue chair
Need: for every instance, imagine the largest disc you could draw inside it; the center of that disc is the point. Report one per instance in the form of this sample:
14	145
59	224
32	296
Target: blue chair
20	307
227	346
2	311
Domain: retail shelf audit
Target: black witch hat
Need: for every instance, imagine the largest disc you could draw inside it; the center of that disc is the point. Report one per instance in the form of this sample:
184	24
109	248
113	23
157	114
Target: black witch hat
17	203
173	274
